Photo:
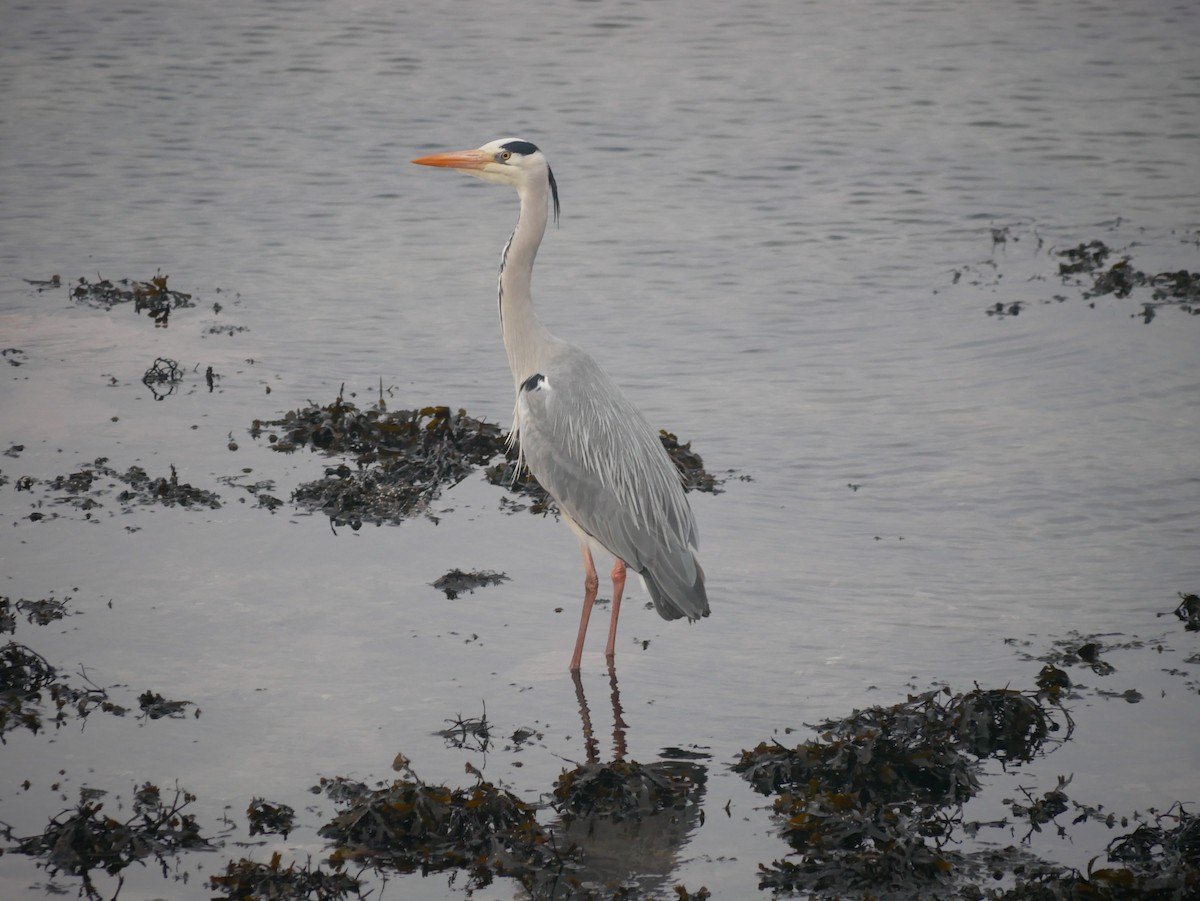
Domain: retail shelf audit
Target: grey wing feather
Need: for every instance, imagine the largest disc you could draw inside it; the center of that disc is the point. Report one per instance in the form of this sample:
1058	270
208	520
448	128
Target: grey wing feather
602	463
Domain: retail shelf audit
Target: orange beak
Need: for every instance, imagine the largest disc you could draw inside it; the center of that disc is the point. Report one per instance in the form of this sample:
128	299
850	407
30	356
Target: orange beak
458	159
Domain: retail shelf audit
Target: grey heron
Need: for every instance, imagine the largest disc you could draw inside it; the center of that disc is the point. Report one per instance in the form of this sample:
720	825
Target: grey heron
582	439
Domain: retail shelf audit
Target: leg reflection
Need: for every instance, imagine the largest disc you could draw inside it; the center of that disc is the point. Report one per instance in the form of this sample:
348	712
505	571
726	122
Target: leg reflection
628	822
619	726
590	746
589	736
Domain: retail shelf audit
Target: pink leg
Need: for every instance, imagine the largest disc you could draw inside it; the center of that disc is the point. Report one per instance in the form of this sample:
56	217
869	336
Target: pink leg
618	580
591	584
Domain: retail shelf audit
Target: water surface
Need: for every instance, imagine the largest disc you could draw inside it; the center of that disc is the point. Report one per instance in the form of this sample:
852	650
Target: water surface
764	209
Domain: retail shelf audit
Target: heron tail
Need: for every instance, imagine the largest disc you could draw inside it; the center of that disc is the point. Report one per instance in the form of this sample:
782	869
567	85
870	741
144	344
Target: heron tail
676	586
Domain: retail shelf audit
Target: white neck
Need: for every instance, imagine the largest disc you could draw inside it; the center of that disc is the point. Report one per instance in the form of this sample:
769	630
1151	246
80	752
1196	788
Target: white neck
524	334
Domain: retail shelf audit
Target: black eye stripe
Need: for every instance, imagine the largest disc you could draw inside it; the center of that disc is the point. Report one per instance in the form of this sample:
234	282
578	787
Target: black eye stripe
522	147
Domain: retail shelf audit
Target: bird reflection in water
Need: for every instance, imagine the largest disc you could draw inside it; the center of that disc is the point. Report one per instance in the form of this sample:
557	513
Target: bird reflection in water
629	821
591	746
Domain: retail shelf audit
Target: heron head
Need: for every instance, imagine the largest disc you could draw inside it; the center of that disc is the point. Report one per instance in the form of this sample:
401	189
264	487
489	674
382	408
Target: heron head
508	161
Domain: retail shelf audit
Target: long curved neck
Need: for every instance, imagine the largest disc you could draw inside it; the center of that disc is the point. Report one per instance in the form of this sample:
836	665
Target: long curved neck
524	334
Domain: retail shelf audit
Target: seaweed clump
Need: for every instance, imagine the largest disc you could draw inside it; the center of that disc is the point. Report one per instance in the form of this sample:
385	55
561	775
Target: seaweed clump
153	296
690	465
1188	611
1121	278
23	675
155	707
1158	860
82	840
82	489
455	582
410	826
512	475
270	819
162	377
27	679
627	789
1095	269
872	801
400	460
41	612
248	879
625	823
1177	288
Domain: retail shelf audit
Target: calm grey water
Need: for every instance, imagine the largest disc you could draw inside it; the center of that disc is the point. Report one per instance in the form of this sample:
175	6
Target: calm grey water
764	208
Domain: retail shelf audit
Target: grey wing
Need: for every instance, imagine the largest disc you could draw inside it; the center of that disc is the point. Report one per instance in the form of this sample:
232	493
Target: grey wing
604	465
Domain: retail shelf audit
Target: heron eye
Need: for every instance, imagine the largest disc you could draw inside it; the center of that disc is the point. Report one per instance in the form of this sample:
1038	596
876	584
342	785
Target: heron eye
504	155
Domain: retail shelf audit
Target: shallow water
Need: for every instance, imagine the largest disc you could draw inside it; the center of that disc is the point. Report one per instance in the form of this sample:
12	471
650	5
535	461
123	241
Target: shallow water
764	210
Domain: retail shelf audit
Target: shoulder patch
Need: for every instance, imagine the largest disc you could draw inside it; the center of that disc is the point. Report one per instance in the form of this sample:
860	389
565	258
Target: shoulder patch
534	382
